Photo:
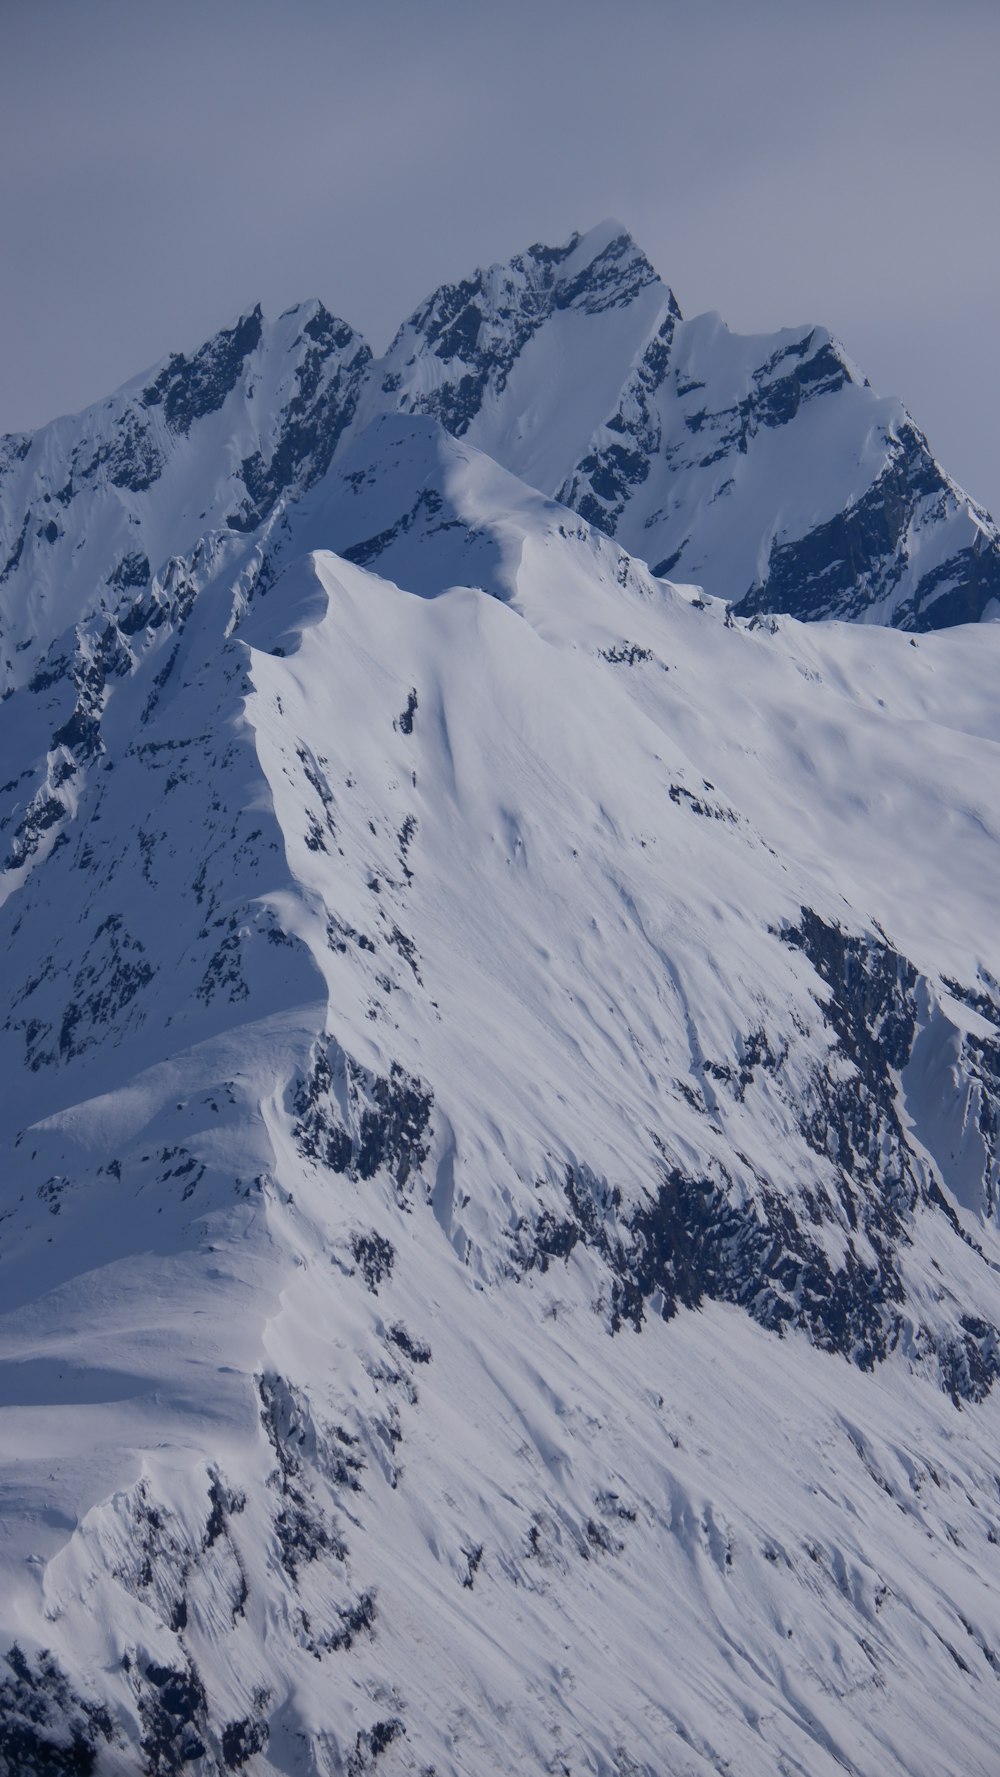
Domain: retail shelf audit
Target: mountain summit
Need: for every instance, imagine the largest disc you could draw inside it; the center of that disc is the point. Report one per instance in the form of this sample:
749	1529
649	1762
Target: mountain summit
763	468
499	1226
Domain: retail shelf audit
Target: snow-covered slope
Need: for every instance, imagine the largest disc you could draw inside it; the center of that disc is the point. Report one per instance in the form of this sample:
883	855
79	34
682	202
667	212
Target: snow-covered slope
91	507
763	467
499	1213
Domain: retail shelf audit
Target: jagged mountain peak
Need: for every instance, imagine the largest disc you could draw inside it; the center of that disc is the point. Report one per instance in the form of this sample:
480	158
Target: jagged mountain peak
494	1151
600	268
188	388
526	357
93	506
500	1202
763	467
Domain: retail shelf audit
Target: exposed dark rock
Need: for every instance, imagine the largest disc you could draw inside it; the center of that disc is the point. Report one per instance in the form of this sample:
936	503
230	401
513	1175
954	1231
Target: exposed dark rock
355	1122
114	973
174	1709
602	484
314	420
484	339
626	654
130	459
303	1534
405	721
427	505
473	1559
81	734
357	1619
692	1238
224	971
43	813
984	999
369	1745
303	1530
14	558
131	570
190	388
860	555
416	1349
46	1730
241	1739
375	1257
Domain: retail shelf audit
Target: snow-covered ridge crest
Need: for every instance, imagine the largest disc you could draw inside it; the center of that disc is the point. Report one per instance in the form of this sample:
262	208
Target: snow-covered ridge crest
763	468
499	1214
491	1030
92	507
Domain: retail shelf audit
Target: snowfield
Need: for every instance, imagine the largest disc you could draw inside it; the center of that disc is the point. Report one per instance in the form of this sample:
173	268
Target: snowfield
499	1233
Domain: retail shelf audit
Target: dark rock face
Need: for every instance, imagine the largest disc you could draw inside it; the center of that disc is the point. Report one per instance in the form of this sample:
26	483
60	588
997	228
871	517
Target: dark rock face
371	1743
189	388
404	721
173	1707
131	570
314	420
860	556
241	1739
42	814
115	972
13	560
604	481
693	1238
45	1729
355	1122
601	485
364	554
304	1533
374	1256
130	460
468	325
119	449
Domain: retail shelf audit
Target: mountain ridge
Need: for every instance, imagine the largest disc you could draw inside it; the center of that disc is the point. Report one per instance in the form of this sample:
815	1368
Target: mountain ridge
499	1223
764	469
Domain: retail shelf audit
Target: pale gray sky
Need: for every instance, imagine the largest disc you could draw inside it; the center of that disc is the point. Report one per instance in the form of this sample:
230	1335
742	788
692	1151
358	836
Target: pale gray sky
163	167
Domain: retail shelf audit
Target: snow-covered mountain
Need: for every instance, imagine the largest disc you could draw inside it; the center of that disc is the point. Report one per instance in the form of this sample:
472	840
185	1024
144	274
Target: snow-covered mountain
499	1232
93	505
763	468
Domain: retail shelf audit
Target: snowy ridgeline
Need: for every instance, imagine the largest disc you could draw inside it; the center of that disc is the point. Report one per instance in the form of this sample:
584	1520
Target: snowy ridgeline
498	1224
764	468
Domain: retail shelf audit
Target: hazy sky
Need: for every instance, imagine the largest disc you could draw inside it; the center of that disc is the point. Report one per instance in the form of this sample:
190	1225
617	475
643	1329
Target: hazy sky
164	166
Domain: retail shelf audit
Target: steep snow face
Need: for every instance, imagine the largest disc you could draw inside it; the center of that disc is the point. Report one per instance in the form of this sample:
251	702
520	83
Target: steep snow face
525	360
764	468
865	526
93	506
500	1237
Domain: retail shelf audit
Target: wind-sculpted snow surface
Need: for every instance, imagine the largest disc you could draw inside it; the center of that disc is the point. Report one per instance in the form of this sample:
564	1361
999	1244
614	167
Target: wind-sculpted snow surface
498	1232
